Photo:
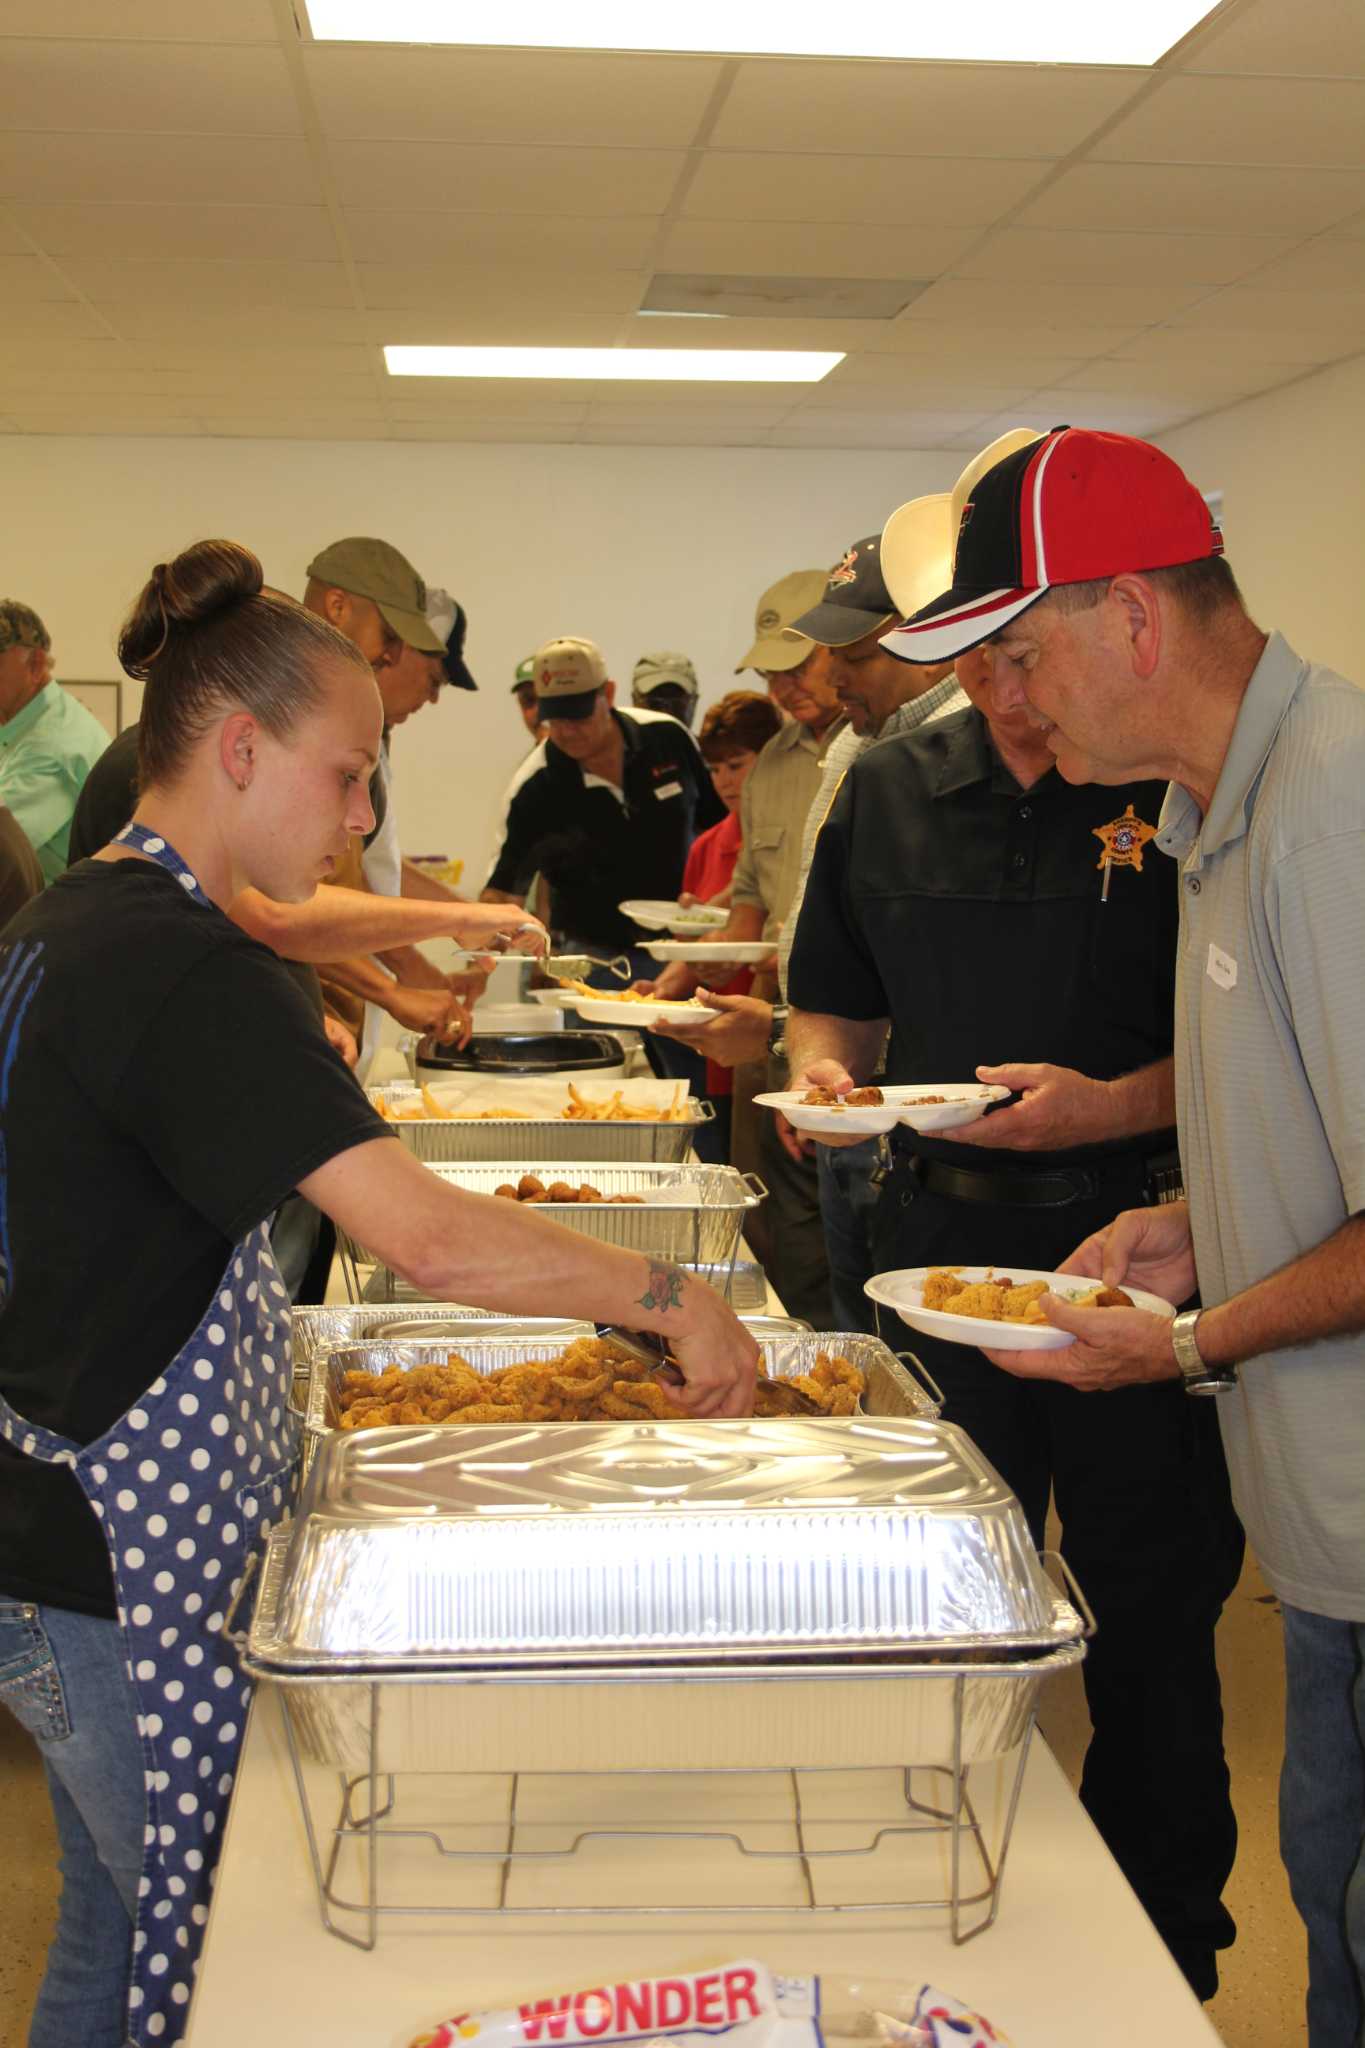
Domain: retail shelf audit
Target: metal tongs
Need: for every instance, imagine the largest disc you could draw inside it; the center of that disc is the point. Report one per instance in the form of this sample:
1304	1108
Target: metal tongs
653	1350
560	966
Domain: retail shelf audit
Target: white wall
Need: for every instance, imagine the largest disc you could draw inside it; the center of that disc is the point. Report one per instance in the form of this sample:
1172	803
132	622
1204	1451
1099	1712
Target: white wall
1291	466
637	548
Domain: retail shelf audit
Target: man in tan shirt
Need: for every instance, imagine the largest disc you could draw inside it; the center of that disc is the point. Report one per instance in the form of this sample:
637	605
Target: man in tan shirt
777	798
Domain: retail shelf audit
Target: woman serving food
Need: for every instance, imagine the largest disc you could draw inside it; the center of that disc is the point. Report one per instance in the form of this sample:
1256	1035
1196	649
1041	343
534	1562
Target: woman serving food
163	1086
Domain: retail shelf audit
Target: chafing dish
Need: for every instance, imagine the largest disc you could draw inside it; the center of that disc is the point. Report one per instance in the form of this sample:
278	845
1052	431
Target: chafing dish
539	1140
742	1281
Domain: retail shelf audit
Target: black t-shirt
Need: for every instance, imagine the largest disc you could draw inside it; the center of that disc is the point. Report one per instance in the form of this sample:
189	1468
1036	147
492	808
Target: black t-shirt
595	844
969	912
164	1086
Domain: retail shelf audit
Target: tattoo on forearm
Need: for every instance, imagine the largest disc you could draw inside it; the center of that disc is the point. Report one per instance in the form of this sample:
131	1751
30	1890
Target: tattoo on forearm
665	1286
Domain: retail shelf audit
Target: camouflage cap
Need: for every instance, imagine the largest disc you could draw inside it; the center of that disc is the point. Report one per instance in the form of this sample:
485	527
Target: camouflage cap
373	569
21	627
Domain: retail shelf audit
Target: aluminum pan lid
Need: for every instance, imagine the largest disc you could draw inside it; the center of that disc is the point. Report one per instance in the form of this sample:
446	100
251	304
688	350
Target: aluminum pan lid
621	1544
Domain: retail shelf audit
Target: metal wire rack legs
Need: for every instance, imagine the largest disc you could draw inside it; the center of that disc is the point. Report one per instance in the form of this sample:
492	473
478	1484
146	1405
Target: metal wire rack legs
368	1822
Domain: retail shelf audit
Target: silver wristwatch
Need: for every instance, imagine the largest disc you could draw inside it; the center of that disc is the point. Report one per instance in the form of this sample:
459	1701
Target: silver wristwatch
1198	1377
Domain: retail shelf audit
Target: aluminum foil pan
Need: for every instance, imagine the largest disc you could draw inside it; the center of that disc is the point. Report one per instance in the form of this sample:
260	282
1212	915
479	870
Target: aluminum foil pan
786	1353
742	1281
690	1213
544	1140
784	1545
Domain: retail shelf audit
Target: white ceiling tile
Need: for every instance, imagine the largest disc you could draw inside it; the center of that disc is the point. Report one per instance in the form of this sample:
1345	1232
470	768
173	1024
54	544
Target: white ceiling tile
858	430
1291	352
1142	423
810	249
1180	198
506	409
526	245
55	170
1354	227
168	229
79	353
1207	377
1325	38
472	430
623	413
971	397
1320	313
41	319
512	327
237	427
1111	412
84	420
1330	263
188	87
1199	120
12	242
243	327
1016	303
29	278
437	288
177	21
510	95
1004	368
1078	257
1003	342
920	109
157	282
925	192
670	434
448	177
860	423
232	360
432	397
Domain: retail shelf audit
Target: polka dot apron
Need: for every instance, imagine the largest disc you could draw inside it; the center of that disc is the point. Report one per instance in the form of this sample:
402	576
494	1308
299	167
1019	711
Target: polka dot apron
185	1485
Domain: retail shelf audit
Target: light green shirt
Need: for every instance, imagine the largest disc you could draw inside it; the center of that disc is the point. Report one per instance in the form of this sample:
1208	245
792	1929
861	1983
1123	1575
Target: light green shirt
46	752
1270	1095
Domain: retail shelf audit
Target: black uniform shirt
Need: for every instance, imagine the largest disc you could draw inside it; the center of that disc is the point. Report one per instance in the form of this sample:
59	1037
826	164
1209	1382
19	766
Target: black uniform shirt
968	911
595	844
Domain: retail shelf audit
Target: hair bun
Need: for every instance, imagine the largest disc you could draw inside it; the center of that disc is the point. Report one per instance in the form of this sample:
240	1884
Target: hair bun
205	580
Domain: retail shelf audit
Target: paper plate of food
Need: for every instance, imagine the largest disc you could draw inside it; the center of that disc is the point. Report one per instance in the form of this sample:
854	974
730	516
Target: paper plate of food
865	1113
684	920
998	1308
641	1011
712	952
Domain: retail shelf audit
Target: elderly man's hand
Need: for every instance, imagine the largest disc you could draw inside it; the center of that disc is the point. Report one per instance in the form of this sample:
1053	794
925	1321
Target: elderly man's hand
820	1074
1115	1347
1057	1109
1149	1248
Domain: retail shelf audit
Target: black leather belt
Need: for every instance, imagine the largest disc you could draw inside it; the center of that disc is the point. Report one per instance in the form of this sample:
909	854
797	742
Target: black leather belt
1007	1190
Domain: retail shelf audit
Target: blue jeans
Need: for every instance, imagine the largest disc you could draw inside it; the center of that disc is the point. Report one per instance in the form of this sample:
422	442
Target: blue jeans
848	1201
1322	1815
64	1677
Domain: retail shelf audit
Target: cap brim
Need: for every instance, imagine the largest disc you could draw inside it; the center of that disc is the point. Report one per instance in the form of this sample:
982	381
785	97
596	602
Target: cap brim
771	654
412	629
956	623
839	625
457	674
573	705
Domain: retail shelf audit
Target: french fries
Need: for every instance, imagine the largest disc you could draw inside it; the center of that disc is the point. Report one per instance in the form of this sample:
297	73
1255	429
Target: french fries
579	1109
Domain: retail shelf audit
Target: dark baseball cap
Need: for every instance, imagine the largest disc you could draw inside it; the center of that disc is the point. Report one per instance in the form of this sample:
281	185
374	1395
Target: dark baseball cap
447	620
855	601
371	568
1073	507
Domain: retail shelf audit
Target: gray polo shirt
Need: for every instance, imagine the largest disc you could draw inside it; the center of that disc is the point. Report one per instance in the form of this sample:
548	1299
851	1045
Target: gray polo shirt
1270	1092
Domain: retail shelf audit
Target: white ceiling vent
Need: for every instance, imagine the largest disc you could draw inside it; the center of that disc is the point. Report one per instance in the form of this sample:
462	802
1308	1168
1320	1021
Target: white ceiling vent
782	298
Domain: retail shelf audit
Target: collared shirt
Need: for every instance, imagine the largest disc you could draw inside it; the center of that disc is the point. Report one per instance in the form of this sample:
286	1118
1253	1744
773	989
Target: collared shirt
1270	1095
778	793
935	702
597	844
46	752
968	911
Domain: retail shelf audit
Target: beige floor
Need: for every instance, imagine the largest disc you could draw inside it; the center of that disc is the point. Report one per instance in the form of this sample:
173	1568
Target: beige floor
1259	2006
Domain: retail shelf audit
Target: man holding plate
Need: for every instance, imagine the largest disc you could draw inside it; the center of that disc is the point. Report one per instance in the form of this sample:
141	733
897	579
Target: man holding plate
964	895
1118	629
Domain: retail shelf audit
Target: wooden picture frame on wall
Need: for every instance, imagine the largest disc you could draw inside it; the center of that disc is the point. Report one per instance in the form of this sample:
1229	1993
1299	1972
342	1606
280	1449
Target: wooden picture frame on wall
104	699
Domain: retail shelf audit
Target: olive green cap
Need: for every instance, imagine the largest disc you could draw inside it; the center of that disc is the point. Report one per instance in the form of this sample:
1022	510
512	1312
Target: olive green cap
373	569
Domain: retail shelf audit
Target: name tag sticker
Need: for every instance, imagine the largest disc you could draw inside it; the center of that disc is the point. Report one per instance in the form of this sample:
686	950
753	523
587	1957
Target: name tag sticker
1222	968
668	789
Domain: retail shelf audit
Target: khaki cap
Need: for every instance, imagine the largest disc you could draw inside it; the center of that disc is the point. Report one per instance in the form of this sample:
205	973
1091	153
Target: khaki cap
774	649
653	669
568	667
20	627
373	569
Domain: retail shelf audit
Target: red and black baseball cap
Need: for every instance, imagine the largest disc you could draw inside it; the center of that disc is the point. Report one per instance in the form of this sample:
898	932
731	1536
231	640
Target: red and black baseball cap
1072	507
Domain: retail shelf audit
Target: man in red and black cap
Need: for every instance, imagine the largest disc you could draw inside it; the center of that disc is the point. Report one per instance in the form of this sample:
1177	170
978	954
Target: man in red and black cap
1090	579
965	895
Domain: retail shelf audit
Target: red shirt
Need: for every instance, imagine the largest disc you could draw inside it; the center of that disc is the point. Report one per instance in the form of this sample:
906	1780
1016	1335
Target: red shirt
710	868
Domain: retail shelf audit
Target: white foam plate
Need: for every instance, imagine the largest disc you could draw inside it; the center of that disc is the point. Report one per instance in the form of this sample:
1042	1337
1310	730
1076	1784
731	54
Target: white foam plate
903	1105
656	916
642	1015
904	1292
715	953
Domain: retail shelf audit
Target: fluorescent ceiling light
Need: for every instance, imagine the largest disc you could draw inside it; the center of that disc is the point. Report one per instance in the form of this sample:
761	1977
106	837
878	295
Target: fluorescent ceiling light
981	31
629	365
